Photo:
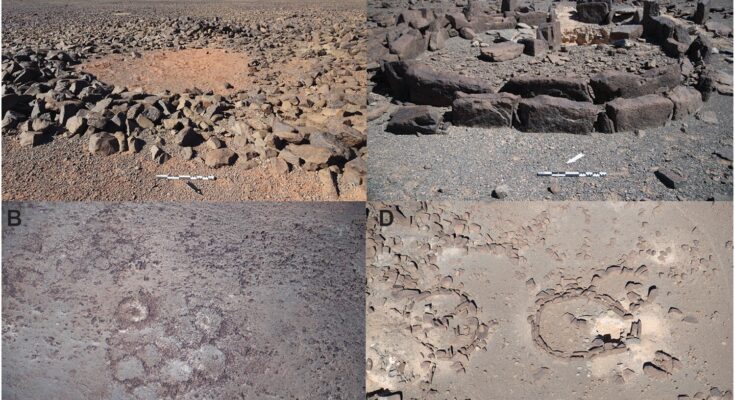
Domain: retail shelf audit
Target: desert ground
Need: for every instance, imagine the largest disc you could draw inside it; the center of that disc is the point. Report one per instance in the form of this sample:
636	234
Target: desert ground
173	301
100	97
531	300
471	99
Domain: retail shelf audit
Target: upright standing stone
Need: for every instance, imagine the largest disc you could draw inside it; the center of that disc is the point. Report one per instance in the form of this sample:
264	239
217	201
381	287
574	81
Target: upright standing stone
702	13
509	5
651	9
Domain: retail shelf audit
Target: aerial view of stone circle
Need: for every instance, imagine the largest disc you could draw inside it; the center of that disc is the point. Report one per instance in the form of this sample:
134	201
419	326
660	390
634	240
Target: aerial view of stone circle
577	301
535	100
255	301
183	100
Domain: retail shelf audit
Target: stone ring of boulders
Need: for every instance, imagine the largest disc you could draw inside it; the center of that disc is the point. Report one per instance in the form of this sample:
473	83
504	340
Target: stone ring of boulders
310	116
610	101
446	322
558	331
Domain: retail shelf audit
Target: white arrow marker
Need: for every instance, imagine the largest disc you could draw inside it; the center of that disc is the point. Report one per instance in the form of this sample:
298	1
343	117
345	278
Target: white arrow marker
575	158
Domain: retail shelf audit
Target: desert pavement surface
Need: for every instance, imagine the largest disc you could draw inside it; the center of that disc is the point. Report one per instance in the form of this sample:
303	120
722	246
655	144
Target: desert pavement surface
165	301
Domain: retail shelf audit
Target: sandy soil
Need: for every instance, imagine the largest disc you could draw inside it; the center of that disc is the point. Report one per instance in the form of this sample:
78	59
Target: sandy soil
550	300
175	71
162	301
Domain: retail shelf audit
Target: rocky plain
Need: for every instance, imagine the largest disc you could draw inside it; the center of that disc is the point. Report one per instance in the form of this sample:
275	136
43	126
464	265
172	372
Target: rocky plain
251	301
100	97
471	99
552	300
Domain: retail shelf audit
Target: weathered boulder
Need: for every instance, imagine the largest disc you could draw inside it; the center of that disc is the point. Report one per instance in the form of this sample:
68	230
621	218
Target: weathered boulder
608	85
554	114
508	5
629	114
593	12
426	86
103	143
551	32
701	15
219	158
313	156
484	109
687	101
532	18
622	32
407	45
30	138
188	137
663	27
534	47
572	88
503	51
700	51
413	120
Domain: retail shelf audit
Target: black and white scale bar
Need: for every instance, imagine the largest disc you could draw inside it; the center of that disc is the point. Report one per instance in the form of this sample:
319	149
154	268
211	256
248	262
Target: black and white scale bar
187	177
571	174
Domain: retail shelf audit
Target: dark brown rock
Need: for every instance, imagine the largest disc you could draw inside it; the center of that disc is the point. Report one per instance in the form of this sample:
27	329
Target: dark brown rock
640	112
571	88
484	110
555	114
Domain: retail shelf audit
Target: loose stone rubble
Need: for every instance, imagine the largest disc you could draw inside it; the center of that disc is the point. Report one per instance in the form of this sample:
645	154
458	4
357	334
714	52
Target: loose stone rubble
304	104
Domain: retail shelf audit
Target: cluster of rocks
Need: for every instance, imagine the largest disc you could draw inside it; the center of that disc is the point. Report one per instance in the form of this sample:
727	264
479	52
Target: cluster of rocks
566	336
611	101
412	31
608	101
312	121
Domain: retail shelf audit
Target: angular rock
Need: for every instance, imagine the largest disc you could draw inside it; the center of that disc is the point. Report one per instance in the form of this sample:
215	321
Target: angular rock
700	51
437	39
428	87
572	88
408	45
31	139
103	144
484	109
331	142
640	112
503	51
629	32
670	178
534	47
593	12
158	155
188	137
413	120
609	85
219	158
500	192
554	114
532	18
144	122
508	5
315	155
687	101
551	32
701	15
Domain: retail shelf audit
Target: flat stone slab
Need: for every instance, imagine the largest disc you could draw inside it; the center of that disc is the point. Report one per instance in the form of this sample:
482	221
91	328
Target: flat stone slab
554	114
571	88
484	110
638	113
503	51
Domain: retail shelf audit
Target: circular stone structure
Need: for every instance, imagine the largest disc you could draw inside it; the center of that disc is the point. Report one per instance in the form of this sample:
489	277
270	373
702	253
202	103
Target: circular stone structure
581	323
445	321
